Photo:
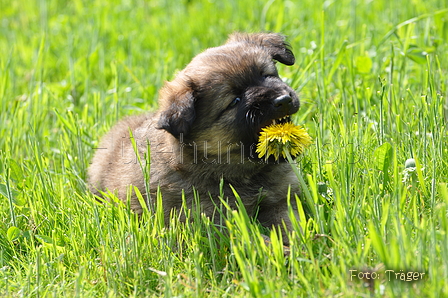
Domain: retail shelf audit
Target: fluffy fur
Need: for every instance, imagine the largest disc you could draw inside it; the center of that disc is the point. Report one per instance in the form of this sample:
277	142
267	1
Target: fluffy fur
206	129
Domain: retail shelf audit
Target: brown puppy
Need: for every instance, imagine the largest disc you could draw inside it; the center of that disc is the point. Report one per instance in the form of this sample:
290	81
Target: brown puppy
205	130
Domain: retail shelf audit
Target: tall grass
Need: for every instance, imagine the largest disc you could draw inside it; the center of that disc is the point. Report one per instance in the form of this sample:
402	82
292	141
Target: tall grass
372	79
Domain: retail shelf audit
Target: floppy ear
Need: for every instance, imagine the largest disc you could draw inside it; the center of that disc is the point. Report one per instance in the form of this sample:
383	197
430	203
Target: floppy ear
274	43
178	113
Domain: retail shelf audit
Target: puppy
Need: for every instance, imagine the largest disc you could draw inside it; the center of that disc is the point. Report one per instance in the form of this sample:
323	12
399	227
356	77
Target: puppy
206	129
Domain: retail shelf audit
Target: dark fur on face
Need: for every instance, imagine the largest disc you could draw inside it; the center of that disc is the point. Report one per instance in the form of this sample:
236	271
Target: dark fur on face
206	129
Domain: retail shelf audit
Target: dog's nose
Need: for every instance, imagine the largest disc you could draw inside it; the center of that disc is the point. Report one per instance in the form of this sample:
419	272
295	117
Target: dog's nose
282	101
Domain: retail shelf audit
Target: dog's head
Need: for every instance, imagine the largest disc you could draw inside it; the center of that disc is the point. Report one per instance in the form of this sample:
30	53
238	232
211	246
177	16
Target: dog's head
229	93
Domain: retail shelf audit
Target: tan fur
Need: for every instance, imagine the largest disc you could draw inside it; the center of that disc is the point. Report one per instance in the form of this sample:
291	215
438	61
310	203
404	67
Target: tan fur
198	137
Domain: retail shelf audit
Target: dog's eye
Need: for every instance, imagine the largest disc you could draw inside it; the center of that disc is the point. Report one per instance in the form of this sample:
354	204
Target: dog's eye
234	102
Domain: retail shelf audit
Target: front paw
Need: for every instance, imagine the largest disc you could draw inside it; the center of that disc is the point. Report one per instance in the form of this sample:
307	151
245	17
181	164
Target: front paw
267	241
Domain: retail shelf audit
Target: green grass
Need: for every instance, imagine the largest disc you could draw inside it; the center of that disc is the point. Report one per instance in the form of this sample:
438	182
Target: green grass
372	78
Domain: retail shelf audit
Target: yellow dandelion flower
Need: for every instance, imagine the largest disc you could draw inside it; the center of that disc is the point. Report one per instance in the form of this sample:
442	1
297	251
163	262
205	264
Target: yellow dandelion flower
276	138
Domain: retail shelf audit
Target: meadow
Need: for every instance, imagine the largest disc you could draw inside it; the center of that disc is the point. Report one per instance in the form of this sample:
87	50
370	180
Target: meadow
372	79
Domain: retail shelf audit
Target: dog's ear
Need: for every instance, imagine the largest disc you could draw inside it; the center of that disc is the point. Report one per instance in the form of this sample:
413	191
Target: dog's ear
275	44
177	109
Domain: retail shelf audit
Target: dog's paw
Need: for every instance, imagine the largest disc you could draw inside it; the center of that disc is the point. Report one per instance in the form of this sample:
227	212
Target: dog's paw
267	241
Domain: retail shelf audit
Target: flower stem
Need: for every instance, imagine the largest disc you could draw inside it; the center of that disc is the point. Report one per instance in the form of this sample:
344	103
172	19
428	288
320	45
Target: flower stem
303	185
